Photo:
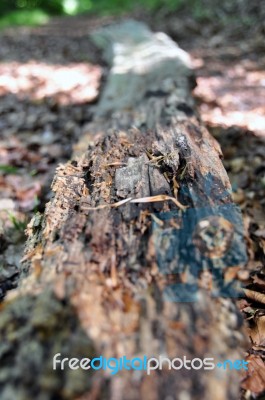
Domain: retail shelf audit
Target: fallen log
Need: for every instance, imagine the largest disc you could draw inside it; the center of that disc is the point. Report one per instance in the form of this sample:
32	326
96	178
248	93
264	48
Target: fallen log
131	254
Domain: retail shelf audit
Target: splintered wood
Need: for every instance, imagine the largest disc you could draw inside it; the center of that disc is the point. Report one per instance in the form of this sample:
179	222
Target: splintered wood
138	216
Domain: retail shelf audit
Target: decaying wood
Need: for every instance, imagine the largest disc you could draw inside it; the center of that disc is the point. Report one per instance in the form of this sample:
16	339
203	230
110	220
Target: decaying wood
103	264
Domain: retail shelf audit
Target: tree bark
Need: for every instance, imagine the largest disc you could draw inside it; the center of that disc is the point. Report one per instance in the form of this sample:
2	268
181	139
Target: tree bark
131	255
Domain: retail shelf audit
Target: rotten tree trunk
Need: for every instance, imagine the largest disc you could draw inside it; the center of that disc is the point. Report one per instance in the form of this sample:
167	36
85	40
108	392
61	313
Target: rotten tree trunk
118	264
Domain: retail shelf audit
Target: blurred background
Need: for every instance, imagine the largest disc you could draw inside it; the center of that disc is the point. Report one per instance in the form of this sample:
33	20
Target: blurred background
50	77
31	12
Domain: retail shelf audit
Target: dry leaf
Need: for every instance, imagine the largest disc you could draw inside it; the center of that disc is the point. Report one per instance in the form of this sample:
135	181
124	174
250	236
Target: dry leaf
257	332
256	296
160	197
255	376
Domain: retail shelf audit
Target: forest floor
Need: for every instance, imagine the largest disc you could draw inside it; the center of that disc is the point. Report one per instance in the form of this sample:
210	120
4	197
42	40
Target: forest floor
49	83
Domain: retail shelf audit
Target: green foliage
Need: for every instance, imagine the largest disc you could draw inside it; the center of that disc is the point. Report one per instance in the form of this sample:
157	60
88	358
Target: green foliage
34	12
112	7
52	7
18	225
17	11
74	7
8	169
118	6
25	17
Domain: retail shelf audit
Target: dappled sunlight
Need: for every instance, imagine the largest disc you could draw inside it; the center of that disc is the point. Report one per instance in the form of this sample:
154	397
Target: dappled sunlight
74	83
235	96
48	79
251	120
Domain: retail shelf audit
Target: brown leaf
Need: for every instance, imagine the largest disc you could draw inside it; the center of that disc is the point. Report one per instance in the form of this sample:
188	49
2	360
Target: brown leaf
255	376
256	296
257	332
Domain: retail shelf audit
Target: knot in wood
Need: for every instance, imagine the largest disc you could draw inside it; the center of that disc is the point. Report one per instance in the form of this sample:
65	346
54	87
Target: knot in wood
213	236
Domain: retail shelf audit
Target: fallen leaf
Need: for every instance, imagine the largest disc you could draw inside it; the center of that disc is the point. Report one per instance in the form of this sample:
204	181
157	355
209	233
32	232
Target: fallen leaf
255	376
257	331
256	296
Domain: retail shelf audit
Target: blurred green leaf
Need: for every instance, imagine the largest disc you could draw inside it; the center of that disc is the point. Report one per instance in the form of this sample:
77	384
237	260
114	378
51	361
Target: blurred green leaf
19	225
24	18
8	169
